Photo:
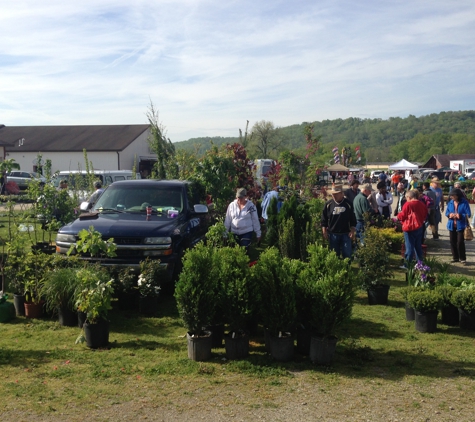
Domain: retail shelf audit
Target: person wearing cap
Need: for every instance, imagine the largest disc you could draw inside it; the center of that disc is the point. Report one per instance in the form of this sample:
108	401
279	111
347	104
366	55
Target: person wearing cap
413	216
354	190
458	213
361	208
98	192
435	186
339	222
242	219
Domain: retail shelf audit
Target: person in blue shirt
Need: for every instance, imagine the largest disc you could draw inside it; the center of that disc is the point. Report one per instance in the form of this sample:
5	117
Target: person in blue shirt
458	213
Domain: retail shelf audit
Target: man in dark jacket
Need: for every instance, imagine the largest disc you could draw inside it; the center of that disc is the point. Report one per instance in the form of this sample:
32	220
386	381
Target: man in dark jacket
351	192
339	222
361	207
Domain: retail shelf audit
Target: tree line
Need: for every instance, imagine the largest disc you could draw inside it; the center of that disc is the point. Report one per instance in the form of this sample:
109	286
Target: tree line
413	138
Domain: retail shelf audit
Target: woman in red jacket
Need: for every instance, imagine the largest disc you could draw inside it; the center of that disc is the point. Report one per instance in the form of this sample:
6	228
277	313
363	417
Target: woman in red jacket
413	216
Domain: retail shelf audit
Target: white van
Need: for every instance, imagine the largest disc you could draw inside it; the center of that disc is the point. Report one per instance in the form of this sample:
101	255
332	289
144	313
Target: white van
79	183
78	177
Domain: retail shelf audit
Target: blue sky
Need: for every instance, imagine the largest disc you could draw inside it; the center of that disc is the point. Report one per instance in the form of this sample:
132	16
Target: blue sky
208	66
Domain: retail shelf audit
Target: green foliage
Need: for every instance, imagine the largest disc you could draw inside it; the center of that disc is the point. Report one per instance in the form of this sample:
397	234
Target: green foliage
393	238
235	290
152	275
325	291
373	259
446	292
273	275
425	300
195	291
90	242
60	288
165	167
95	294
464	299
218	236
272	224
33	269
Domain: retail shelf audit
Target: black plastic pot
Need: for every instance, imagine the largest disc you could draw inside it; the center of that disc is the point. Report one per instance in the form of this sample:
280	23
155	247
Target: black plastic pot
304	337
378	295
450	316
19	303
322	349
467	320
426	322
282	348
97	335
236	345
67	317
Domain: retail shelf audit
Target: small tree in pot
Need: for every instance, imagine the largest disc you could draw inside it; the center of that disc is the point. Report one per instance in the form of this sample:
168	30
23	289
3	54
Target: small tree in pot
464	300
278	305
426	302
331	288
375	269
195	294
235	297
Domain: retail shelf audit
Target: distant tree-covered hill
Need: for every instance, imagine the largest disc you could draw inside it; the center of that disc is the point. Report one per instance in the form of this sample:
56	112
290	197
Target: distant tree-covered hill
413	138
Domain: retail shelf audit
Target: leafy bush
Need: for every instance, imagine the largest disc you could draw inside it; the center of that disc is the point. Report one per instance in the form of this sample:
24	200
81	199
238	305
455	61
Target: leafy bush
373	259
152	275
60	288
195	291
425	300
327	290
236	294
273	275
393	238
464	299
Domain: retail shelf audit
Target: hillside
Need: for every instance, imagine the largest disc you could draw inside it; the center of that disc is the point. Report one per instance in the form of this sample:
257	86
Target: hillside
377	138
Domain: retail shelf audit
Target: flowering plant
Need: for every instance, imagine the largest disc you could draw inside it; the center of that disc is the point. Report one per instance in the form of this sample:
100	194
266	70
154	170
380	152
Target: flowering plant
152	273
420	275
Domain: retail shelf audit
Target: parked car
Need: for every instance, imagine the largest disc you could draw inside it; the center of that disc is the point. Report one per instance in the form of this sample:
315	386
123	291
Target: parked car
375	175
157	219
23	178
429	174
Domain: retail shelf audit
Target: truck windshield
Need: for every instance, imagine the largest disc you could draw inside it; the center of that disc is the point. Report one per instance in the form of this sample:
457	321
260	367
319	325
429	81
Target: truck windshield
133	199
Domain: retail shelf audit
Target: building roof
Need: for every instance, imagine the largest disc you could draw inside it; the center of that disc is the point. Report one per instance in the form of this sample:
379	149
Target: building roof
69	138
445	159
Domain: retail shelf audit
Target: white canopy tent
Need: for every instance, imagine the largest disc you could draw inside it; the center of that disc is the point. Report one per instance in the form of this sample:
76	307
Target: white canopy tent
403	165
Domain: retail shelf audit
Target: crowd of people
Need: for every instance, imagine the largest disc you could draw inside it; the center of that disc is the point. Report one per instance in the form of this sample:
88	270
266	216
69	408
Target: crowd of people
417	206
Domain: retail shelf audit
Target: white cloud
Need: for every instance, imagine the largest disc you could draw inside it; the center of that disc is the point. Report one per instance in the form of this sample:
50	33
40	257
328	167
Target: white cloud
208	66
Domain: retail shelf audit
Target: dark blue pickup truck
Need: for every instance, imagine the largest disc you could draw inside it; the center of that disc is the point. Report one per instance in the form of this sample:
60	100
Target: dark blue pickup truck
158	219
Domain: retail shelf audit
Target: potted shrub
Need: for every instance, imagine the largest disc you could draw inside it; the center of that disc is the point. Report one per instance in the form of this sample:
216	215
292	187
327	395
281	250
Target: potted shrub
449	312
375	268
59	290
13	271
235	297
152	274
464	300
278	307
35	267
94	300
195	294
126	288
426	303
332	289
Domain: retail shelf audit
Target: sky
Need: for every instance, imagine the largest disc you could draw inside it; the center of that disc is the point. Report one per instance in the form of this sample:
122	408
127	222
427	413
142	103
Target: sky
209	66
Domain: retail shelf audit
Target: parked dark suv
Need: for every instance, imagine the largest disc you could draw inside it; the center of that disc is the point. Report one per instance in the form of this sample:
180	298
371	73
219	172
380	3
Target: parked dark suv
158	219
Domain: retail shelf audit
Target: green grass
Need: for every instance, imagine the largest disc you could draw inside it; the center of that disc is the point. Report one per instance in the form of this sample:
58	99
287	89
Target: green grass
44	371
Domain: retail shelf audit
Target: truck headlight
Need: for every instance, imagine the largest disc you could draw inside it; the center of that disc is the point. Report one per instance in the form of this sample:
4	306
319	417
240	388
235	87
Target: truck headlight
68	238
158	240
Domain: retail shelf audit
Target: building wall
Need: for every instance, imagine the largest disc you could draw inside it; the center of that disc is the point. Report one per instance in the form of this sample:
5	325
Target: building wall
102	160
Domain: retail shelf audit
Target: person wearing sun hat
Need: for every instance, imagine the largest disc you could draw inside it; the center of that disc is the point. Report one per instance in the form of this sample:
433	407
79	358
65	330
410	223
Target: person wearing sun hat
339	222
242	219
435	186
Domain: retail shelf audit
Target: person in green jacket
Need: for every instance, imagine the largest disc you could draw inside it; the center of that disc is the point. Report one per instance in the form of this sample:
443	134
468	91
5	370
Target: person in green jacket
361	207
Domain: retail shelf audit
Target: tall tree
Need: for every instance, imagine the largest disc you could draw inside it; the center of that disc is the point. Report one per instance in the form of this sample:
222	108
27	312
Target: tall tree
165	167
265	138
